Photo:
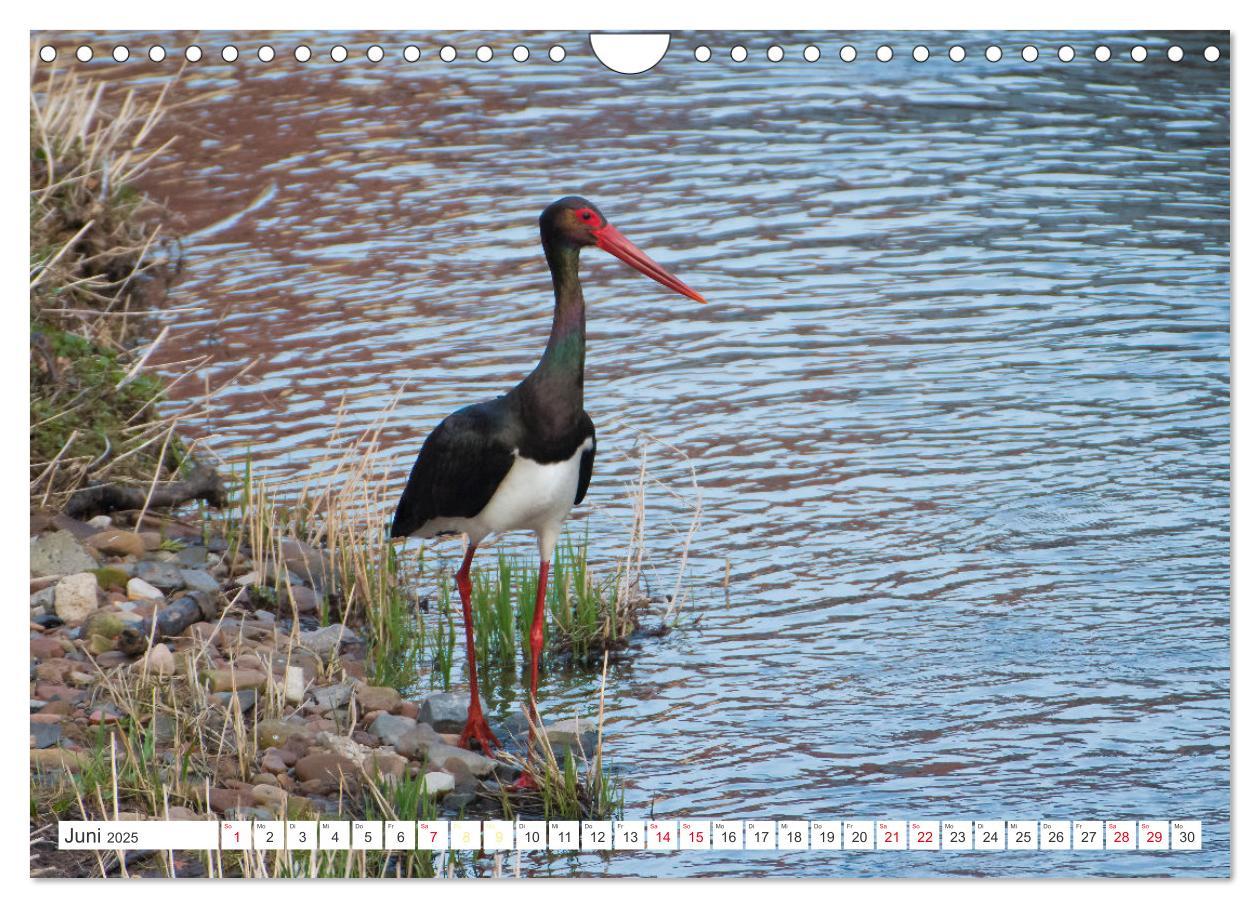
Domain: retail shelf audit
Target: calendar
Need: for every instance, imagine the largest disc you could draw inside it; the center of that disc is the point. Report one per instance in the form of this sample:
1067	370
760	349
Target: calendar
619	445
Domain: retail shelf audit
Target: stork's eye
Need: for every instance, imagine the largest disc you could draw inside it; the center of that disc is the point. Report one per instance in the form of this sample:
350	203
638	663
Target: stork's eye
586	215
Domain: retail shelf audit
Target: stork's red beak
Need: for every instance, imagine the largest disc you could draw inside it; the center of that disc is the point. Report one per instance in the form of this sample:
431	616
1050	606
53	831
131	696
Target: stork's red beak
609	239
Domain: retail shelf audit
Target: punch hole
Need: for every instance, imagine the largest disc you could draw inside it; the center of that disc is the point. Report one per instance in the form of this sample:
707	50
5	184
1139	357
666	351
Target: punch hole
629	54
411	53
157	53
1212	53
957	53
1138	54
811	54
557	54
1029	53
848	53
703	54
993	53
192	54
883	53
302	53
266	53
520	53
1175	54
83	54
485	53
1067	53
121	54
920	54
447	53
338	54
1102	53
229	53
48	53
739	53
375	53
774	53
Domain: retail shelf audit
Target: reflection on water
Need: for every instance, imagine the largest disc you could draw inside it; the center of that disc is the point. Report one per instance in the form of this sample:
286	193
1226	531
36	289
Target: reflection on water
958	405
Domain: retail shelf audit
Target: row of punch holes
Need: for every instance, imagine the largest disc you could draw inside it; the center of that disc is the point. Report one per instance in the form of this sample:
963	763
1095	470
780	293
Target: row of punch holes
556	53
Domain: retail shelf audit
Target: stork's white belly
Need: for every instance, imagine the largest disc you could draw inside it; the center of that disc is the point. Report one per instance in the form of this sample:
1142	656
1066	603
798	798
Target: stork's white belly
532	496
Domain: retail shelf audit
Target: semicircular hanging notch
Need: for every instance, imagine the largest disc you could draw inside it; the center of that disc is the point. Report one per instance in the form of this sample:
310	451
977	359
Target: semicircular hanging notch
629	53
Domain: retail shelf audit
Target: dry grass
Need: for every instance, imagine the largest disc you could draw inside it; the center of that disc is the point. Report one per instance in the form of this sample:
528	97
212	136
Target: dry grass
98	264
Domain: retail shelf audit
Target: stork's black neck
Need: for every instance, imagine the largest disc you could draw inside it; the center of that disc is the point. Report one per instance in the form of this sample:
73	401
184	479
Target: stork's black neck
553	391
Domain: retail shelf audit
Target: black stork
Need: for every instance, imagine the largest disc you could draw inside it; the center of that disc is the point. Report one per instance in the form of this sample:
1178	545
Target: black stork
522	460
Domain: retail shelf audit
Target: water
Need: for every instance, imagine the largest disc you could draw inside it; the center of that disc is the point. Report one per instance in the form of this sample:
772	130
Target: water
958	407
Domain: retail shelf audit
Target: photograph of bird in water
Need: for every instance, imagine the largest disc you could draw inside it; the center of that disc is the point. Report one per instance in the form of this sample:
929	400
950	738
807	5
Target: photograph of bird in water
523	460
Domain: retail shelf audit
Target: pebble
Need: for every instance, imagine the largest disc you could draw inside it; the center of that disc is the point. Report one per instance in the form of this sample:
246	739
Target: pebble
327	640
75	597
101	522
226	679
45	734
439	783
138	588
47	647
201	581
301	598
326	767
166	577
374	698
445	711
159	661
194	556
392	729
332	696
43	600
276	732
117	542
59	553
294	684
58	758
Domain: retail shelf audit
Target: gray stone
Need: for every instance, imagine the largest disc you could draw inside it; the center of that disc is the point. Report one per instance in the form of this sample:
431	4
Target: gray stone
445	712
193	557
458	800
332	696
247	696
327	640
392	729
415	743
43	600
59	553
74	597
166	577
201	581
45	734
441	755
574	734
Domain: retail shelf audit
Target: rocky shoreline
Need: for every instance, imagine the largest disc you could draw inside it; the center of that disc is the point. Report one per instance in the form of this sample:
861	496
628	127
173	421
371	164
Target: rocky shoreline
225	667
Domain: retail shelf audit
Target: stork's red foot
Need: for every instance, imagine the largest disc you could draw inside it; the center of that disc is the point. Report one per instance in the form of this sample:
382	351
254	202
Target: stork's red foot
476	729
524	782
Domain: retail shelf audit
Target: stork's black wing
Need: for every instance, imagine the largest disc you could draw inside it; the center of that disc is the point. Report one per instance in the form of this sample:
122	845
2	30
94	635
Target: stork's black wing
460	465
588	461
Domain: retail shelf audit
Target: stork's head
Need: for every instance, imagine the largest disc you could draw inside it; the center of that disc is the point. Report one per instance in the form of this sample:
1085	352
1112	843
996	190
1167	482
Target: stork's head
575	222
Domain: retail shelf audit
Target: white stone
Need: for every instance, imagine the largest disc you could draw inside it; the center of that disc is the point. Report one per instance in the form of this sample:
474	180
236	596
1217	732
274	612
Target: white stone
101	522
294	684
74	597
142	589
439	783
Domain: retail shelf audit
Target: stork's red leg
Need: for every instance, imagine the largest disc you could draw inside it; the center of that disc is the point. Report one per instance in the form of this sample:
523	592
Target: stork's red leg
475	729
535	651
